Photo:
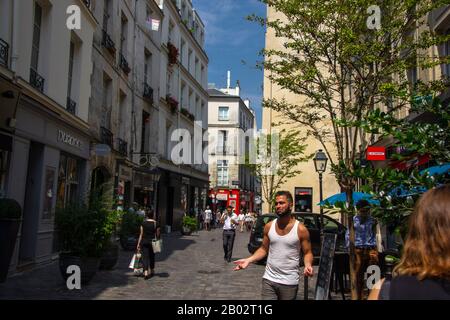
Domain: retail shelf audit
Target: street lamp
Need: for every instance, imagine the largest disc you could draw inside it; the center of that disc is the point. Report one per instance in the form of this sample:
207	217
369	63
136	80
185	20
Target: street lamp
320	162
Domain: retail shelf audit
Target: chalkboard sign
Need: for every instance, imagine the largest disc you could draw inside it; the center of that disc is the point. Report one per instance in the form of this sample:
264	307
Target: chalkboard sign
325	266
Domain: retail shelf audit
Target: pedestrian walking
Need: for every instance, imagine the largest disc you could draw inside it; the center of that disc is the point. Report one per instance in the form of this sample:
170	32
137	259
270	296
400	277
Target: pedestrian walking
218	217
283	239
229	220
241	219
208	216
366	245
150	230
423	272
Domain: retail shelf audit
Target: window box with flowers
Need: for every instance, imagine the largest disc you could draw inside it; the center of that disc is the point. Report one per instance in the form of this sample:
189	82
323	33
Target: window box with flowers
173	53
173	104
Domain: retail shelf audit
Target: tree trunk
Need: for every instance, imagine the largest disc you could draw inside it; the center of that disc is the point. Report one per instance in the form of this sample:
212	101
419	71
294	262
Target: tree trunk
352	256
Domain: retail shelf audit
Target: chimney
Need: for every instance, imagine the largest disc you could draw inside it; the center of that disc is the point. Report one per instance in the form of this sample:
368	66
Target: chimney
238	87
228	79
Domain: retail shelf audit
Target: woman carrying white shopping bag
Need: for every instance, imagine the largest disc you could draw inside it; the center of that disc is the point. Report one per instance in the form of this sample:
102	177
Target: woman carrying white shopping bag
150	231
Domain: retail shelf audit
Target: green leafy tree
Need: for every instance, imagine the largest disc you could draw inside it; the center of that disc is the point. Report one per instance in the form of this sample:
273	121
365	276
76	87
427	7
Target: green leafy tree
273	170
344	70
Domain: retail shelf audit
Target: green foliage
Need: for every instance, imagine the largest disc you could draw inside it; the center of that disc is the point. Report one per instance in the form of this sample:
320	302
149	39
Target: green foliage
10	209
190	223
86	230
273	170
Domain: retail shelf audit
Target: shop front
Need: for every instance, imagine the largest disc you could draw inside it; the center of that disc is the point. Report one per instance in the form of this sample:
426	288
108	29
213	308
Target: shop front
49	167
145	186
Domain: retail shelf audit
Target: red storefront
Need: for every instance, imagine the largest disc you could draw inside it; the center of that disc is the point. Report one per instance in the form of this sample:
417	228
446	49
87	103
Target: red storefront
222	198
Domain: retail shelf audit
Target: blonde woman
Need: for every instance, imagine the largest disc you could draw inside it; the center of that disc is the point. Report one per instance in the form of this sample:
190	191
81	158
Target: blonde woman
423	272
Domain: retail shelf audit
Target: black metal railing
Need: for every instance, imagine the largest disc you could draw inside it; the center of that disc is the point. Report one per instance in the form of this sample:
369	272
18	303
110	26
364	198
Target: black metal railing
123	63
106	137
108	43
148	92
4	52
123	147
87	3
36	80
71	106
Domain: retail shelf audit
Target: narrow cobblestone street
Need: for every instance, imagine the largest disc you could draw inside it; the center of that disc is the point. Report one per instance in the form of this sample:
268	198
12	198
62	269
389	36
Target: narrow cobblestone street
191	268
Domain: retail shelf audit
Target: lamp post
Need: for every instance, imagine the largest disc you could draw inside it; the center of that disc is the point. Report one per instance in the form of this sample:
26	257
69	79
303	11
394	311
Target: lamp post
320	162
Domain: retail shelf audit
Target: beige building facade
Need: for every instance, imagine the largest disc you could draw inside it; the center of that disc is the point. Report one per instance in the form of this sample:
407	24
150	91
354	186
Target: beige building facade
305	186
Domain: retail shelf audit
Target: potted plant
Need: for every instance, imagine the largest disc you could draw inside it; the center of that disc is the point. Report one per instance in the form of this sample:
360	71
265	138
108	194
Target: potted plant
189	225
129	230
84	233
10	219
111	250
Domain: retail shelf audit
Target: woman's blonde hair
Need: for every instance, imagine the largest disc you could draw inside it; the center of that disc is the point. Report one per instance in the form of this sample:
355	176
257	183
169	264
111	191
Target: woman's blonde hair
426	252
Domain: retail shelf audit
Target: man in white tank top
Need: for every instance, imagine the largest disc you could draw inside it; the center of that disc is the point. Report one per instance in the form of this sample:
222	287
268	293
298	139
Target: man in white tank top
283	239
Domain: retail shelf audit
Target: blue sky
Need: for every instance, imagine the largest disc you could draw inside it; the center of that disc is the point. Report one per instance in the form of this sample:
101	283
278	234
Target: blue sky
230	40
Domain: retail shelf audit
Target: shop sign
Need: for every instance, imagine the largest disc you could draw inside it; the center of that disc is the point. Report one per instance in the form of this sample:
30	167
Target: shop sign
233	196
235	183
125	172
66	138
185	180
376	153
222	196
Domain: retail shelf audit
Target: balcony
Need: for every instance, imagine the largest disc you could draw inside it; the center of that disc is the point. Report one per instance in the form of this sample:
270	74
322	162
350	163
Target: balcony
123	147
87	3
71	106
148	93
36	80
4	53
108	43
123	63
189	115
106	137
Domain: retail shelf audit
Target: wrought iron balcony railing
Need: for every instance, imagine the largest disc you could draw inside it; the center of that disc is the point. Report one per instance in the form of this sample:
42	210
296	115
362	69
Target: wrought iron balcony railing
4	52
108	43
148	92
123	63
123	147
87	3
71	106
106	137
36	80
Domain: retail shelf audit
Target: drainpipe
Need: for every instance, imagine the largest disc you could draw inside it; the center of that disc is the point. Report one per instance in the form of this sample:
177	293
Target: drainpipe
133	88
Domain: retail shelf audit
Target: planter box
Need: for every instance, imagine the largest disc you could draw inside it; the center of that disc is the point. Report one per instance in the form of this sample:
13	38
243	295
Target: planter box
88	266
8	236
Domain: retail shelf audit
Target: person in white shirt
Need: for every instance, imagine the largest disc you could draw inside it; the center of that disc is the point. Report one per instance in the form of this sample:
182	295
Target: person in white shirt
229	220
208	217
241	219
283	239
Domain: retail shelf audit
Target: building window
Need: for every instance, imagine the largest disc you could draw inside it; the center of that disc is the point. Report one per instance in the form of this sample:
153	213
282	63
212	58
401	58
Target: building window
222	142
223	113
36	37
303	199
222	172
68	181
147	67
145	131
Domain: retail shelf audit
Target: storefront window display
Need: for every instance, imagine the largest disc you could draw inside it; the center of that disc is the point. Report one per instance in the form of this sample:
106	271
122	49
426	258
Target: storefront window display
68	180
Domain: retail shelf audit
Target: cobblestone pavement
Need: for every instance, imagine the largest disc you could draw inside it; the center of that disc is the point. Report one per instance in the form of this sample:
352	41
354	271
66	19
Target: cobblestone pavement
190	268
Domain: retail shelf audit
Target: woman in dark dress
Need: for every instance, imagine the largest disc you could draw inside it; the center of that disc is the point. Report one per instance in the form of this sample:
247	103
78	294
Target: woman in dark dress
149	231
423	272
